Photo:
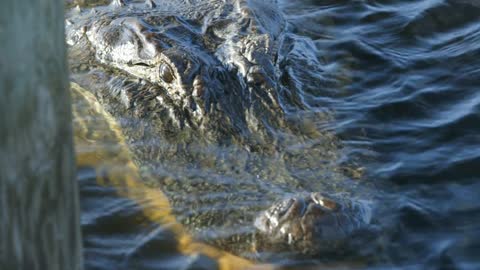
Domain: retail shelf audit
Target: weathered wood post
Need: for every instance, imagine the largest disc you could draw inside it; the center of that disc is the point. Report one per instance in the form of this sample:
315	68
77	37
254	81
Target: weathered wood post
39	208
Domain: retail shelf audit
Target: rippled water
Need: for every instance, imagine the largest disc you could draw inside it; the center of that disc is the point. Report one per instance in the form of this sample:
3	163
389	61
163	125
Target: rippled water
399	83
409	111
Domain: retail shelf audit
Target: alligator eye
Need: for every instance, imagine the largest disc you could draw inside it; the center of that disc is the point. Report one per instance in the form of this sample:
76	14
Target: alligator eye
166	73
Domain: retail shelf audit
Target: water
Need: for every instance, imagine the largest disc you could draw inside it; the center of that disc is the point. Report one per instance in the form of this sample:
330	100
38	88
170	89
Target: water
408	112
399	83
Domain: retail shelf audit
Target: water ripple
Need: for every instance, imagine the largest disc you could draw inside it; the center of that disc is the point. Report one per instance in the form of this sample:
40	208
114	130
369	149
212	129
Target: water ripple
400	80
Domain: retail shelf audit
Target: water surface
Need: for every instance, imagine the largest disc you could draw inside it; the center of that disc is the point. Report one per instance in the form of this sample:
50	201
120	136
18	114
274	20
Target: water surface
396	100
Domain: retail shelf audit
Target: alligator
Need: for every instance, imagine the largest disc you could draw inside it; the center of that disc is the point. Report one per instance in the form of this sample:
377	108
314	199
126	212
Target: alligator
180	74
315	223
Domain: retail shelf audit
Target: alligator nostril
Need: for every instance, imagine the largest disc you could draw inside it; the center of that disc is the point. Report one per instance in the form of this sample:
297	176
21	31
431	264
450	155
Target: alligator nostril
324	202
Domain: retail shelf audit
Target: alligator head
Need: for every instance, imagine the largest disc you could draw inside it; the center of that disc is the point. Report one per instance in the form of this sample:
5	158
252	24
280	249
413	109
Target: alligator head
311	223
210	63
211	66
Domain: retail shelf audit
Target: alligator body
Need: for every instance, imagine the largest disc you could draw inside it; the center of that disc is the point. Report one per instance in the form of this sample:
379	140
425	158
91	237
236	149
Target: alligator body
193	72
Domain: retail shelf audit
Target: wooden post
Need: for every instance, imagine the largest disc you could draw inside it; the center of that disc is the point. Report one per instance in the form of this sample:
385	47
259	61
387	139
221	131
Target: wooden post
39	208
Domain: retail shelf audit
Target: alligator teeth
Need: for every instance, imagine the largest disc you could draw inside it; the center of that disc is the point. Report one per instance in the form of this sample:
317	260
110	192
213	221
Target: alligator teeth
325	203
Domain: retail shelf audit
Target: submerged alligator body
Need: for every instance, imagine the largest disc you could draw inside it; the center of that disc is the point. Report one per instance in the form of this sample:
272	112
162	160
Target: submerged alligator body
216	71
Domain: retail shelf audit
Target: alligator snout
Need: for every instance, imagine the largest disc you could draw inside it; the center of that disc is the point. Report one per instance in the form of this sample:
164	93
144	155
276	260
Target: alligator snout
297	213
311	222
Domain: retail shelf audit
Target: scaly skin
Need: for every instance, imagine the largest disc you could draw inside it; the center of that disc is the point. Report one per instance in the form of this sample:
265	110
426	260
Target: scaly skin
214	62
313	223
100	145
196	73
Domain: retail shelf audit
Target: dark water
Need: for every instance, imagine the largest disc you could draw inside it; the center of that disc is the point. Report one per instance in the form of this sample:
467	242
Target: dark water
409	111
400	81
